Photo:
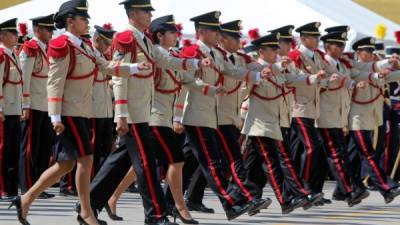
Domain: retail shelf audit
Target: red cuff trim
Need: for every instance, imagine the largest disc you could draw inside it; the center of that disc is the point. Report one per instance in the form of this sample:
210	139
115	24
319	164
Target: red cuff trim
55	99
121	102
205	89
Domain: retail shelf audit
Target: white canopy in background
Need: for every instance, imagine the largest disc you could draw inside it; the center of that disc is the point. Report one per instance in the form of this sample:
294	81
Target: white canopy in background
263	14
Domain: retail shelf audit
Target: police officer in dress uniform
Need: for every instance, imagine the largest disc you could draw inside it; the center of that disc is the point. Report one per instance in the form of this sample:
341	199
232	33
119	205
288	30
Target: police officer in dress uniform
37	132
73	65
366	113
11	81
133	97
101	121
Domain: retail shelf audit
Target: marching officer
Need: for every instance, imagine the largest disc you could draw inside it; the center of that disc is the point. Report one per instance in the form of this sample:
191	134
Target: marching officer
73	65
11	81
228	108
37	132
366	113
101	121
133	97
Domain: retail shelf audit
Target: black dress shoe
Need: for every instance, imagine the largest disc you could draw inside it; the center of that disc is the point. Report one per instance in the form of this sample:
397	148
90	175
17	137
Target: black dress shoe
77	209
111	214
257	204
313	199
356	197
132	189
163	221
198	207
45	195
66	193
294	204
326	201
17	203
391	194
176	213
8	198
337	196
237	211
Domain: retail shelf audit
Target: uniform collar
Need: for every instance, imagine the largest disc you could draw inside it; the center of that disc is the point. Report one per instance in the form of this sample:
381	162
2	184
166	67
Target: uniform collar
140	33
162	50
309	53
203	46
262	62
331	60
42	45
7	50
76	40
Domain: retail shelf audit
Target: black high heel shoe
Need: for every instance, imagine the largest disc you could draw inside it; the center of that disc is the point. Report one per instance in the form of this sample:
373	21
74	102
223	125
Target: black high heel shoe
111	214
176	213
81	221
17	203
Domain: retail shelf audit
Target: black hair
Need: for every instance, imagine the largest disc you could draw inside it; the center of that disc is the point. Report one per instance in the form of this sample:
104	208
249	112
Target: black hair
61	21
154	36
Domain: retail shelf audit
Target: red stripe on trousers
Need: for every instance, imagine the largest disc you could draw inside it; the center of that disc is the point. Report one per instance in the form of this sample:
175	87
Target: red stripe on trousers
290	167
386	161
370	160
93	142
212	168
336	159
309	149
269	165
76	135
29	152
1	157
233	170
164	145
147	172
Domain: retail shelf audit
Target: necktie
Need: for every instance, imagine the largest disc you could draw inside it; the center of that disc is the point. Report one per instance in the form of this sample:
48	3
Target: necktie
14	57
83	46
145	43
212	54
337	66
232	58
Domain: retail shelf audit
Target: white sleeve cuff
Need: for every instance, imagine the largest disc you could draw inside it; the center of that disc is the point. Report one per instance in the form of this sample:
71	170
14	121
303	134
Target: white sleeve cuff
383	64
123	115
196	64
55	118
177	119
26	106
258	77
133	68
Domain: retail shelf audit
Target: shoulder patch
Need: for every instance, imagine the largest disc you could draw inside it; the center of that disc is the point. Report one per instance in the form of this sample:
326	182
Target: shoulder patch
58	47
1	55
189	51
295	56
123	42
30	48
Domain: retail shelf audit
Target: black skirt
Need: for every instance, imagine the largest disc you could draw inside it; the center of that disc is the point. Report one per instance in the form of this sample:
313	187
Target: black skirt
74	141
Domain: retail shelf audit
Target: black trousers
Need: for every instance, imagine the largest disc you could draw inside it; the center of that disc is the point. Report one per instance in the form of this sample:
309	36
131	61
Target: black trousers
204	145
253	162
309	154
381	180
335	149
67	182
102	138
137	148
268	149
36	148
293	182
10	133
228	137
